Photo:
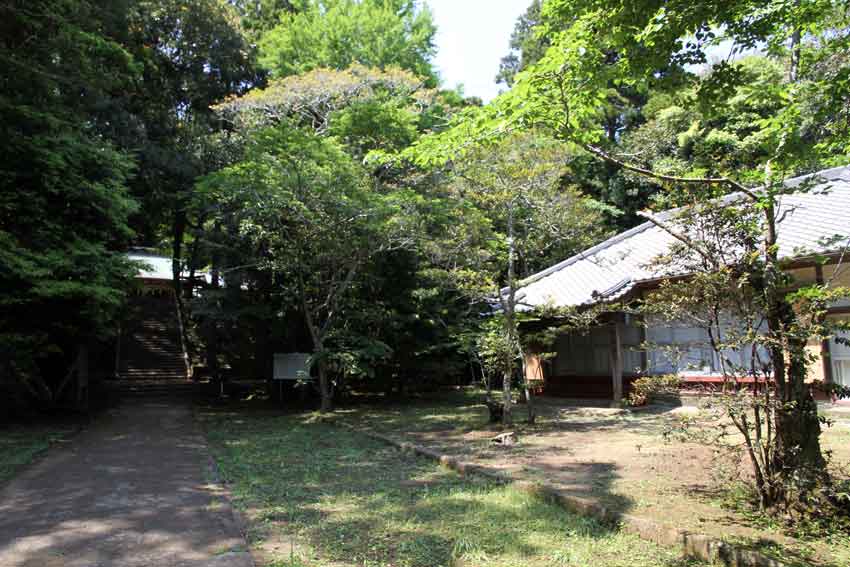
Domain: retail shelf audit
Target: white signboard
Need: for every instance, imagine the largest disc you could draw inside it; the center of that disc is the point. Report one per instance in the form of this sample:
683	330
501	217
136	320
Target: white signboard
292	366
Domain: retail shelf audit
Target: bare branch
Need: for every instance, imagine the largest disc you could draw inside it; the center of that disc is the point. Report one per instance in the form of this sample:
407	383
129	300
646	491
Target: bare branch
678	236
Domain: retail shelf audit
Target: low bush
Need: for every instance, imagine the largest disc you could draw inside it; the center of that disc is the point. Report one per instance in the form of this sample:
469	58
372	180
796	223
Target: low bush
648	388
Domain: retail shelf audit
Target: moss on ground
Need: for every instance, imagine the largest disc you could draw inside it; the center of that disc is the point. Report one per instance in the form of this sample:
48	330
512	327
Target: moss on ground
22	444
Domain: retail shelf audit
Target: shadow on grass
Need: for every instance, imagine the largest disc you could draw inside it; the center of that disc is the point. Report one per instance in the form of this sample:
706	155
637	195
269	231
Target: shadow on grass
356	501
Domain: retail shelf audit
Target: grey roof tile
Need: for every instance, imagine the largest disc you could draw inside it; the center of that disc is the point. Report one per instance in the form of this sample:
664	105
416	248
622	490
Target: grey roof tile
610	269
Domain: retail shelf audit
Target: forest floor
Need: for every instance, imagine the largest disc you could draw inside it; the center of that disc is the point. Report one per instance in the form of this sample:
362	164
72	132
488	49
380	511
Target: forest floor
319	495
619	457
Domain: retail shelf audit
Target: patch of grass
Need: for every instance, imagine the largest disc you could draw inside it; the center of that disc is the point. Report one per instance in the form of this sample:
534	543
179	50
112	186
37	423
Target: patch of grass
348	500
722	510
21	444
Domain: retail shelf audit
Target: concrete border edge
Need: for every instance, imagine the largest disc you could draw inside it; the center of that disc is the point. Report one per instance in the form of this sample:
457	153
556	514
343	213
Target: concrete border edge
695	545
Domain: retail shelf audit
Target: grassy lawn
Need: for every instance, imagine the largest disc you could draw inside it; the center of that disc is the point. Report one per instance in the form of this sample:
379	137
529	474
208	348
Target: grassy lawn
620	458
21	444
317	495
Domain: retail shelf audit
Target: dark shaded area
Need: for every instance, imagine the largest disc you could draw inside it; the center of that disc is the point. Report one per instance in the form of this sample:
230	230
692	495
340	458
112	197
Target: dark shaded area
150	339
133	490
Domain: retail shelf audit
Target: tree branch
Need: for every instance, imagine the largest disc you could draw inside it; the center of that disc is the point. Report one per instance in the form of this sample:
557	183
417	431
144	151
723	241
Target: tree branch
599	152
678	236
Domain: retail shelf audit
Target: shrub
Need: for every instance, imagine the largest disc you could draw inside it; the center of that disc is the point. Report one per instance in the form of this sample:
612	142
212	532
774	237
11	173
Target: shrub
647	388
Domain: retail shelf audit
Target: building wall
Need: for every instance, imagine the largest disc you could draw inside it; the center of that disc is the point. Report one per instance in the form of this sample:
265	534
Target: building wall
582	365
588	353
837	364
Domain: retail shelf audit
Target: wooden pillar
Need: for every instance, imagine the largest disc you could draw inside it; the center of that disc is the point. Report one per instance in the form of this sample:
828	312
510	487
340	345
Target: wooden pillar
825	353
117	374
644	355
617	358
83	377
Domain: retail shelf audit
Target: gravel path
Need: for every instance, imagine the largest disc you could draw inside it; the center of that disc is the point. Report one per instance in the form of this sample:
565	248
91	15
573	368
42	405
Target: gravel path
135	489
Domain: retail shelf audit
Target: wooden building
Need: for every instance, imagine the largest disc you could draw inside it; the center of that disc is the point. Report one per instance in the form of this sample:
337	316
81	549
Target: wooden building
603	361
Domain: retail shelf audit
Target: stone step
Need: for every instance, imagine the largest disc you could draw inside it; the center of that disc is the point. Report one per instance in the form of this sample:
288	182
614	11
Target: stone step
153	371
150	352
129	380
153	354
151	361
152	357
154	374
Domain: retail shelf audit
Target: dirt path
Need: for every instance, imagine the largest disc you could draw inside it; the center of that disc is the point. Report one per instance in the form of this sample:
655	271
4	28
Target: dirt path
134	490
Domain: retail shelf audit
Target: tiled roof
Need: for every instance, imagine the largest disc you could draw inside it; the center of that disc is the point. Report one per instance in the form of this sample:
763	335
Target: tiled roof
610	269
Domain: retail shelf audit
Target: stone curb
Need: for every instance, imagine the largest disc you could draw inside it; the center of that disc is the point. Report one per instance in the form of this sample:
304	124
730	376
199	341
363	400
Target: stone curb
695	545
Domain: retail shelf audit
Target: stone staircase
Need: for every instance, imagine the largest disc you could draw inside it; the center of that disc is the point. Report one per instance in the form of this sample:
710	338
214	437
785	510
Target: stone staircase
151	359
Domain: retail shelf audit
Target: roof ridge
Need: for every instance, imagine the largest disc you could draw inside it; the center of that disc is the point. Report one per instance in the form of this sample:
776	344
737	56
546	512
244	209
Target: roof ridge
619	237
830	173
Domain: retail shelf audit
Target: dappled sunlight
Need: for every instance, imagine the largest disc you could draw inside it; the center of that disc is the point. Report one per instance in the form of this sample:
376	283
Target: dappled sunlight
352	501
619	457
123	493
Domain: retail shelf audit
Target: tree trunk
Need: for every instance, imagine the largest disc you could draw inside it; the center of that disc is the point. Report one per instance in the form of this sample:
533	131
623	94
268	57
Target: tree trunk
794	67
318	348
798	457
211	327
509	308
324	388
179	231
507	402
193	262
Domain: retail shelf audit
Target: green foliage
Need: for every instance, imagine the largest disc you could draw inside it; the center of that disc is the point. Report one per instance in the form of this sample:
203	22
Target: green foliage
374	125
609	69
303	201
647	388
191	58
520	178
64	204
259	16
335	34
311	98
527	45
497	352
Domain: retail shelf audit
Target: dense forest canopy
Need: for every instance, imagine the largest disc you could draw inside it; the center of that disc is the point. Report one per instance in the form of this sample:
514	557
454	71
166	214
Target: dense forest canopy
305	156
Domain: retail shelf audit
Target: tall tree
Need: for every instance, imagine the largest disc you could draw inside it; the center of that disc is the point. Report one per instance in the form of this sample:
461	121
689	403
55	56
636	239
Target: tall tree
321	223
520	218
358	110
527	46
634	43
64	203
191	59
338	33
